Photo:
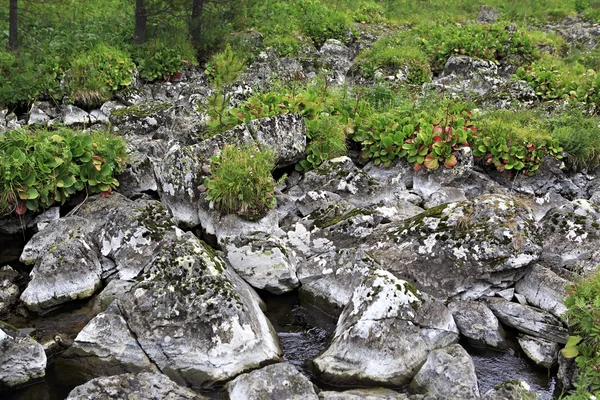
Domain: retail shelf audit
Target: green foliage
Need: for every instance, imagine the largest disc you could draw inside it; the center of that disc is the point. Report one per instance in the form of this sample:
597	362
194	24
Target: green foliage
96	73
159	59
327	140
40	167
512	142
583	312
241	182
320	21
369	12
552	78
489	42
286	46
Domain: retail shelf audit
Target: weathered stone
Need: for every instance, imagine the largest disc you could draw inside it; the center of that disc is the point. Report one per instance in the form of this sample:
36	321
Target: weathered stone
138	177
97	116
338	57
572	239
478	324
143	119
22	359
487	14
466	75
72	115
9	291
510	390
106	346
195	318
543	352
363	394
448	373
37	116
278	381
544	289
542	204
264	262
463	250
143	386
329	279
42	220
384	334
529	320
285	134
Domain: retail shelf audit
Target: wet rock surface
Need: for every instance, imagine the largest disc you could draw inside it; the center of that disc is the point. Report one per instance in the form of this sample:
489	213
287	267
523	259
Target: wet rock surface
22	359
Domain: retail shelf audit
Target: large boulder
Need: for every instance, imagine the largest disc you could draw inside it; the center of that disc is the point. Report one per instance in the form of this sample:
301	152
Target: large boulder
384	334
278	381
544	289
195	318
285	134
106	346
543	352
464	249
571	239
478	324
66	266
22	359
144	386
448	373
467	75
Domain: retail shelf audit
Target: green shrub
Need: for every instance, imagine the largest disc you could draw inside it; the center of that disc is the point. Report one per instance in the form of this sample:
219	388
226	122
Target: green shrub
583	312
241	182
551	78
369	13
40	167
159	59
96	73
320	22
286	46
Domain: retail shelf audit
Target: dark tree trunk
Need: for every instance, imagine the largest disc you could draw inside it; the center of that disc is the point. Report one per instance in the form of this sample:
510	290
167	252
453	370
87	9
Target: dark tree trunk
196	23
141	17
13	30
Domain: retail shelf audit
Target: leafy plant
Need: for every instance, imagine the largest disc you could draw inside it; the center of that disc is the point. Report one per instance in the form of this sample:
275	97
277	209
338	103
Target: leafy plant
583	312
241	182
159	59
40	167
327	140
321	22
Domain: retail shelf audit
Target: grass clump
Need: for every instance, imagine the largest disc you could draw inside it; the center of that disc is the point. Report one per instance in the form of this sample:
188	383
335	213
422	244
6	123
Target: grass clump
241	181
583	312
39	168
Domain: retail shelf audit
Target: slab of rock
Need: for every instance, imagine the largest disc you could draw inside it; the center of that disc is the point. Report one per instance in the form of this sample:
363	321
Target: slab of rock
278	381
529	320
264	262
448	373
285	134
72	115
22	359
338	57
384	334
66	267
462	250
543	352
363	394
478	324
195	318
143	386
463	74
544	289
106	346
572	239
9	291
510	390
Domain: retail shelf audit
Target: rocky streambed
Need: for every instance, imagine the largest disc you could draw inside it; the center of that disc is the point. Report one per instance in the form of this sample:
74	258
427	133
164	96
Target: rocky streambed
365	282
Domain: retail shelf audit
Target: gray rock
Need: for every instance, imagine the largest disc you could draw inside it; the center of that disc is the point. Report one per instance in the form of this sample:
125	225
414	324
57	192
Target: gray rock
467	75
22	359
510	390
111	292
338	57
132	235
541	205
195	318
264	262
487	14
544	289
529	320
329	279
363	394
463	250
108	107
37	116
543	352
42	220
384	334
571	240
9	291
577	32
106	346
567	371
278	381
478	324
143	386
142	119
285	134
138	177
72	115
97	116
448	373
507	294
66	267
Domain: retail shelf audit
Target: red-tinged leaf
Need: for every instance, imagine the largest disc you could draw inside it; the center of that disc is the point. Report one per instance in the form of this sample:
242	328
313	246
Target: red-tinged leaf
532	148
417	167
448	129
437	139
98	158
529	145
431	162
469	113
466	144
472	128
21	208
106	193
450	162
437	129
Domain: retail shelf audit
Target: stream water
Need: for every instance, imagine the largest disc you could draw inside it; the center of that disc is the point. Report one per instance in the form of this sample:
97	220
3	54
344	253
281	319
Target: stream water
303	333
